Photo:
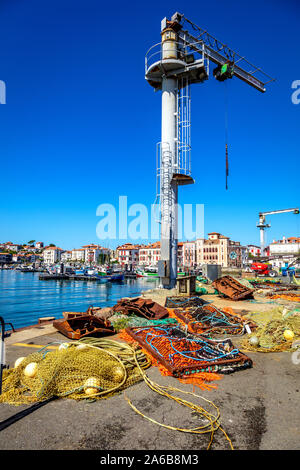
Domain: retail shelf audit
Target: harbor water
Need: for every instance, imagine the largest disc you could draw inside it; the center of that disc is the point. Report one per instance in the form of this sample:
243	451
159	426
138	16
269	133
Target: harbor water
24	298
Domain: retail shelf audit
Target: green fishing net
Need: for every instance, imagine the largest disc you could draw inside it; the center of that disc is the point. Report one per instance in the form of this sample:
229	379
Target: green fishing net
272	324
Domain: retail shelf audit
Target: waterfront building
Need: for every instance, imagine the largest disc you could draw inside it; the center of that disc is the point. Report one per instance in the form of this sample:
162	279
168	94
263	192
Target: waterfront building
32	258
128	254
254	250
286	246
29	248
19	257
78	254
5	257
66	256
51	254
11	246
189	254
180	254
219	249
149	255
93	252
284	251
244	256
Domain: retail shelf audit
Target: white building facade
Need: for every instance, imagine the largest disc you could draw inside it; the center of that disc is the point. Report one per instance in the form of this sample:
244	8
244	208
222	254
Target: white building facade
66	256
93	252
254	250
284	251
149	255
78	254
51	254
189	254
128	254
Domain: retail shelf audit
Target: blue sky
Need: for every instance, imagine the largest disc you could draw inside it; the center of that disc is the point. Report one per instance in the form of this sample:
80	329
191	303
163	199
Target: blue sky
80	124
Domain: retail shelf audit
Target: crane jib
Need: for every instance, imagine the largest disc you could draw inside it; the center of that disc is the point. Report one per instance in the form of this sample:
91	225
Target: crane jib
238	71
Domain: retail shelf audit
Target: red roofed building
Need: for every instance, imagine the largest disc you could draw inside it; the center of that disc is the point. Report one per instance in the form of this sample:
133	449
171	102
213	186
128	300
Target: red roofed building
51	254
218	249
128	254
149	255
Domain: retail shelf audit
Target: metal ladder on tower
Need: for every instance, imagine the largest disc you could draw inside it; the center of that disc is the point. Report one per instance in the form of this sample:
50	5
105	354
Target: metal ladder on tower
165	183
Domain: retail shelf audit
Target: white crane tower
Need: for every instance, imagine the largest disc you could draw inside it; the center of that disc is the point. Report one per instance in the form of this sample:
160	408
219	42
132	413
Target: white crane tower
172	66
262	225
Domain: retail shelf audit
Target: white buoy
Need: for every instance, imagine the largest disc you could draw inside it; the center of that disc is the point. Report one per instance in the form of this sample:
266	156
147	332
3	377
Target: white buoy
31	370
18	361
254	341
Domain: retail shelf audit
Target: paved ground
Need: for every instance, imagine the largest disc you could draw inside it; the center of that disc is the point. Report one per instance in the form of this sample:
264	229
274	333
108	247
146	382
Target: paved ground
259	410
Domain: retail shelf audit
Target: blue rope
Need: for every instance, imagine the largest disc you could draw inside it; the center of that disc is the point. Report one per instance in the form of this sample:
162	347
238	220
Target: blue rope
204	346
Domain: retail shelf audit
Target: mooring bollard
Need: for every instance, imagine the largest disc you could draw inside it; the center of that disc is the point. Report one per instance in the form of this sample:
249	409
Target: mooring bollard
2	349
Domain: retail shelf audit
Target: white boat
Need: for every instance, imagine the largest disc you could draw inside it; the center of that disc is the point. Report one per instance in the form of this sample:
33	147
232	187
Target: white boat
149	272
92	272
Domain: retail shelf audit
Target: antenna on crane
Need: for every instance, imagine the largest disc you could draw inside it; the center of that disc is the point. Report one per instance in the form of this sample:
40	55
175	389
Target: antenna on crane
262	225
179	60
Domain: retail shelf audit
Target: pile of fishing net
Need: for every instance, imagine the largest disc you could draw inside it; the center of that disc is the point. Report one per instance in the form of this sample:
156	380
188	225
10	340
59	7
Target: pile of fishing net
203	289
245	282
93	368
121	321
291	296
264	281
208	320
188	357
277	330
203	286
184	301
90	367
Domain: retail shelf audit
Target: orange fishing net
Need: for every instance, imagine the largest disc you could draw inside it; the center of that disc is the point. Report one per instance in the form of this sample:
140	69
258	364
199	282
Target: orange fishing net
189	357
291	297
201	379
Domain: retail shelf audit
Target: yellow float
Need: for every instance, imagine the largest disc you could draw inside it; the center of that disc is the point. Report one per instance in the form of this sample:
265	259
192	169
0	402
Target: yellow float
288	335
91	386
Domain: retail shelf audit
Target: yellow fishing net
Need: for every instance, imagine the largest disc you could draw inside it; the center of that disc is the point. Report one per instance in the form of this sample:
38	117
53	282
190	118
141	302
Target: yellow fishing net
89	368
270	334
109	367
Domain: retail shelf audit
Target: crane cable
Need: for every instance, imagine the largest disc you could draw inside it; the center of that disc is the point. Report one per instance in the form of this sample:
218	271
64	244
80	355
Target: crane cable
226	134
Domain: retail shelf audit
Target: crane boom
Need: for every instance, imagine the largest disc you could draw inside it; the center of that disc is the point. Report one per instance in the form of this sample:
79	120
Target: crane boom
262	225
220	54
295	210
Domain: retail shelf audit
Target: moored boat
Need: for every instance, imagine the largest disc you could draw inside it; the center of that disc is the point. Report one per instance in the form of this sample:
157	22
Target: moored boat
150	272
110	277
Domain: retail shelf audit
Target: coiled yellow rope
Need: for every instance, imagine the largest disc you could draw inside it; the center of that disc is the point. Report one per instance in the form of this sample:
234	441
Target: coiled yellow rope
213	419
135	358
